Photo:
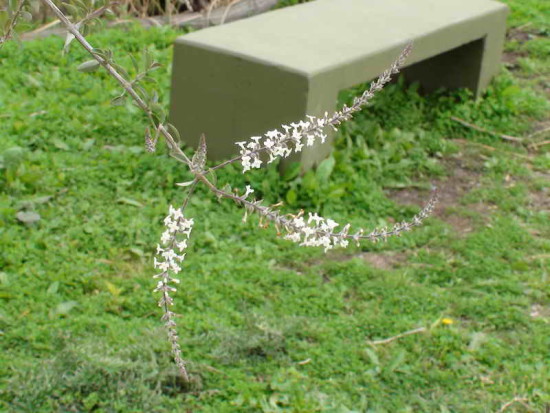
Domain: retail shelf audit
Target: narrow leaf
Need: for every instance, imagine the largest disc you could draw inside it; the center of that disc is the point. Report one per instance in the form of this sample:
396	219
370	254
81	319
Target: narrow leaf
89	66
118	101
184	184
130	201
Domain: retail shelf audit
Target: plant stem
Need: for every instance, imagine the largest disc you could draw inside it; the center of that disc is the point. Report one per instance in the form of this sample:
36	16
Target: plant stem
114	73
13	22
284	222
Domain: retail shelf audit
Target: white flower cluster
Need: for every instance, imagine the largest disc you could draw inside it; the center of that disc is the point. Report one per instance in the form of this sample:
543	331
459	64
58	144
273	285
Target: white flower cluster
306	133
316	232
167	259
281	144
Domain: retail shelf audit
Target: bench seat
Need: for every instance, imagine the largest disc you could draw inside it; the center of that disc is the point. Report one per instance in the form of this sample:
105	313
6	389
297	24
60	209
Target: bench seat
244	78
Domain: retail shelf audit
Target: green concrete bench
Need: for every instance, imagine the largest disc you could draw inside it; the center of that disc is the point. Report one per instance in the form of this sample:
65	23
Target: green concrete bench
244	78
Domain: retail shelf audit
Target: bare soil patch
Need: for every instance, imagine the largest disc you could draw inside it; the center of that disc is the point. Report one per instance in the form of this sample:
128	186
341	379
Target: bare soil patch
464	176
540	200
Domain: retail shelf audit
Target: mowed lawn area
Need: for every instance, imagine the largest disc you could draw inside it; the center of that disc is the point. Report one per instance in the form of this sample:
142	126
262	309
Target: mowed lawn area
268	326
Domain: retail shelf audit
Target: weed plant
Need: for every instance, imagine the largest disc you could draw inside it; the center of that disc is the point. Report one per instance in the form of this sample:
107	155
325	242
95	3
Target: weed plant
280	328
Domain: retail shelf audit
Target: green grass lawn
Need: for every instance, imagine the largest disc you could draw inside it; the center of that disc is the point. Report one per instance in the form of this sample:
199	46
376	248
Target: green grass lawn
268	326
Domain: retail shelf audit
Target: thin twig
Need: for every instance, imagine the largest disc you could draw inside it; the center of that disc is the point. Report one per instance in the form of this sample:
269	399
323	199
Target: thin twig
209	9
480	129
397	337
13	21
114	73
520	400
493	149
537	144
42	28
523	26
96	13
226	11
539	132
189	194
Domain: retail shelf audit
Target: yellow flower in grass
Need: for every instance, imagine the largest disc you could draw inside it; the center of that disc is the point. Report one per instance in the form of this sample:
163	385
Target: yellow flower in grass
447	321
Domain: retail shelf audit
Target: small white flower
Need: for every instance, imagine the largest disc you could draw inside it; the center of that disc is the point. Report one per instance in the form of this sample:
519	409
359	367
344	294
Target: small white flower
181	245
173	226
257	163
175	268
166	237
163	266
175	213
248	191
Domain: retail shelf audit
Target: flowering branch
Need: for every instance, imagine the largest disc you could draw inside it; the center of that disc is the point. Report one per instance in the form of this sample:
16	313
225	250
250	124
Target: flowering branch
317	231
168	261
311	231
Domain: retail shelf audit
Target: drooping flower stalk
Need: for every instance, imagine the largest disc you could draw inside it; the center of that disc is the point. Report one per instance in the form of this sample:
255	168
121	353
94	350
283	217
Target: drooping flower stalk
316	231
170	254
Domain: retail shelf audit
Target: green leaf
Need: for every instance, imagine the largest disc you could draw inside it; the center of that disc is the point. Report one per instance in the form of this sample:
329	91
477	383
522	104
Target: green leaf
89	66
373	357
119	100
291	197
134	63
173	131
52	289
65	307
154	65
324	170
336	193
87	145
25	15
309	182
28	217
130	201
13	156
59	144
113	289
292	171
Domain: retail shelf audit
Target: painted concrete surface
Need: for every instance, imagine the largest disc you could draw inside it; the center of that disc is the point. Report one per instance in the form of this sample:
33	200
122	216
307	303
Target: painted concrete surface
241	79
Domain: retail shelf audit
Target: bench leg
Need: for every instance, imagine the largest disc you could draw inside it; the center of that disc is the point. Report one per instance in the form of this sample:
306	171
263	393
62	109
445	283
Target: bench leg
457	68
471	65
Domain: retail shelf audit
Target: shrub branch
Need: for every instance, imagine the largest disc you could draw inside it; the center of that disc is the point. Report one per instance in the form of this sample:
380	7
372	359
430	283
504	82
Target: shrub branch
306	230
127	86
